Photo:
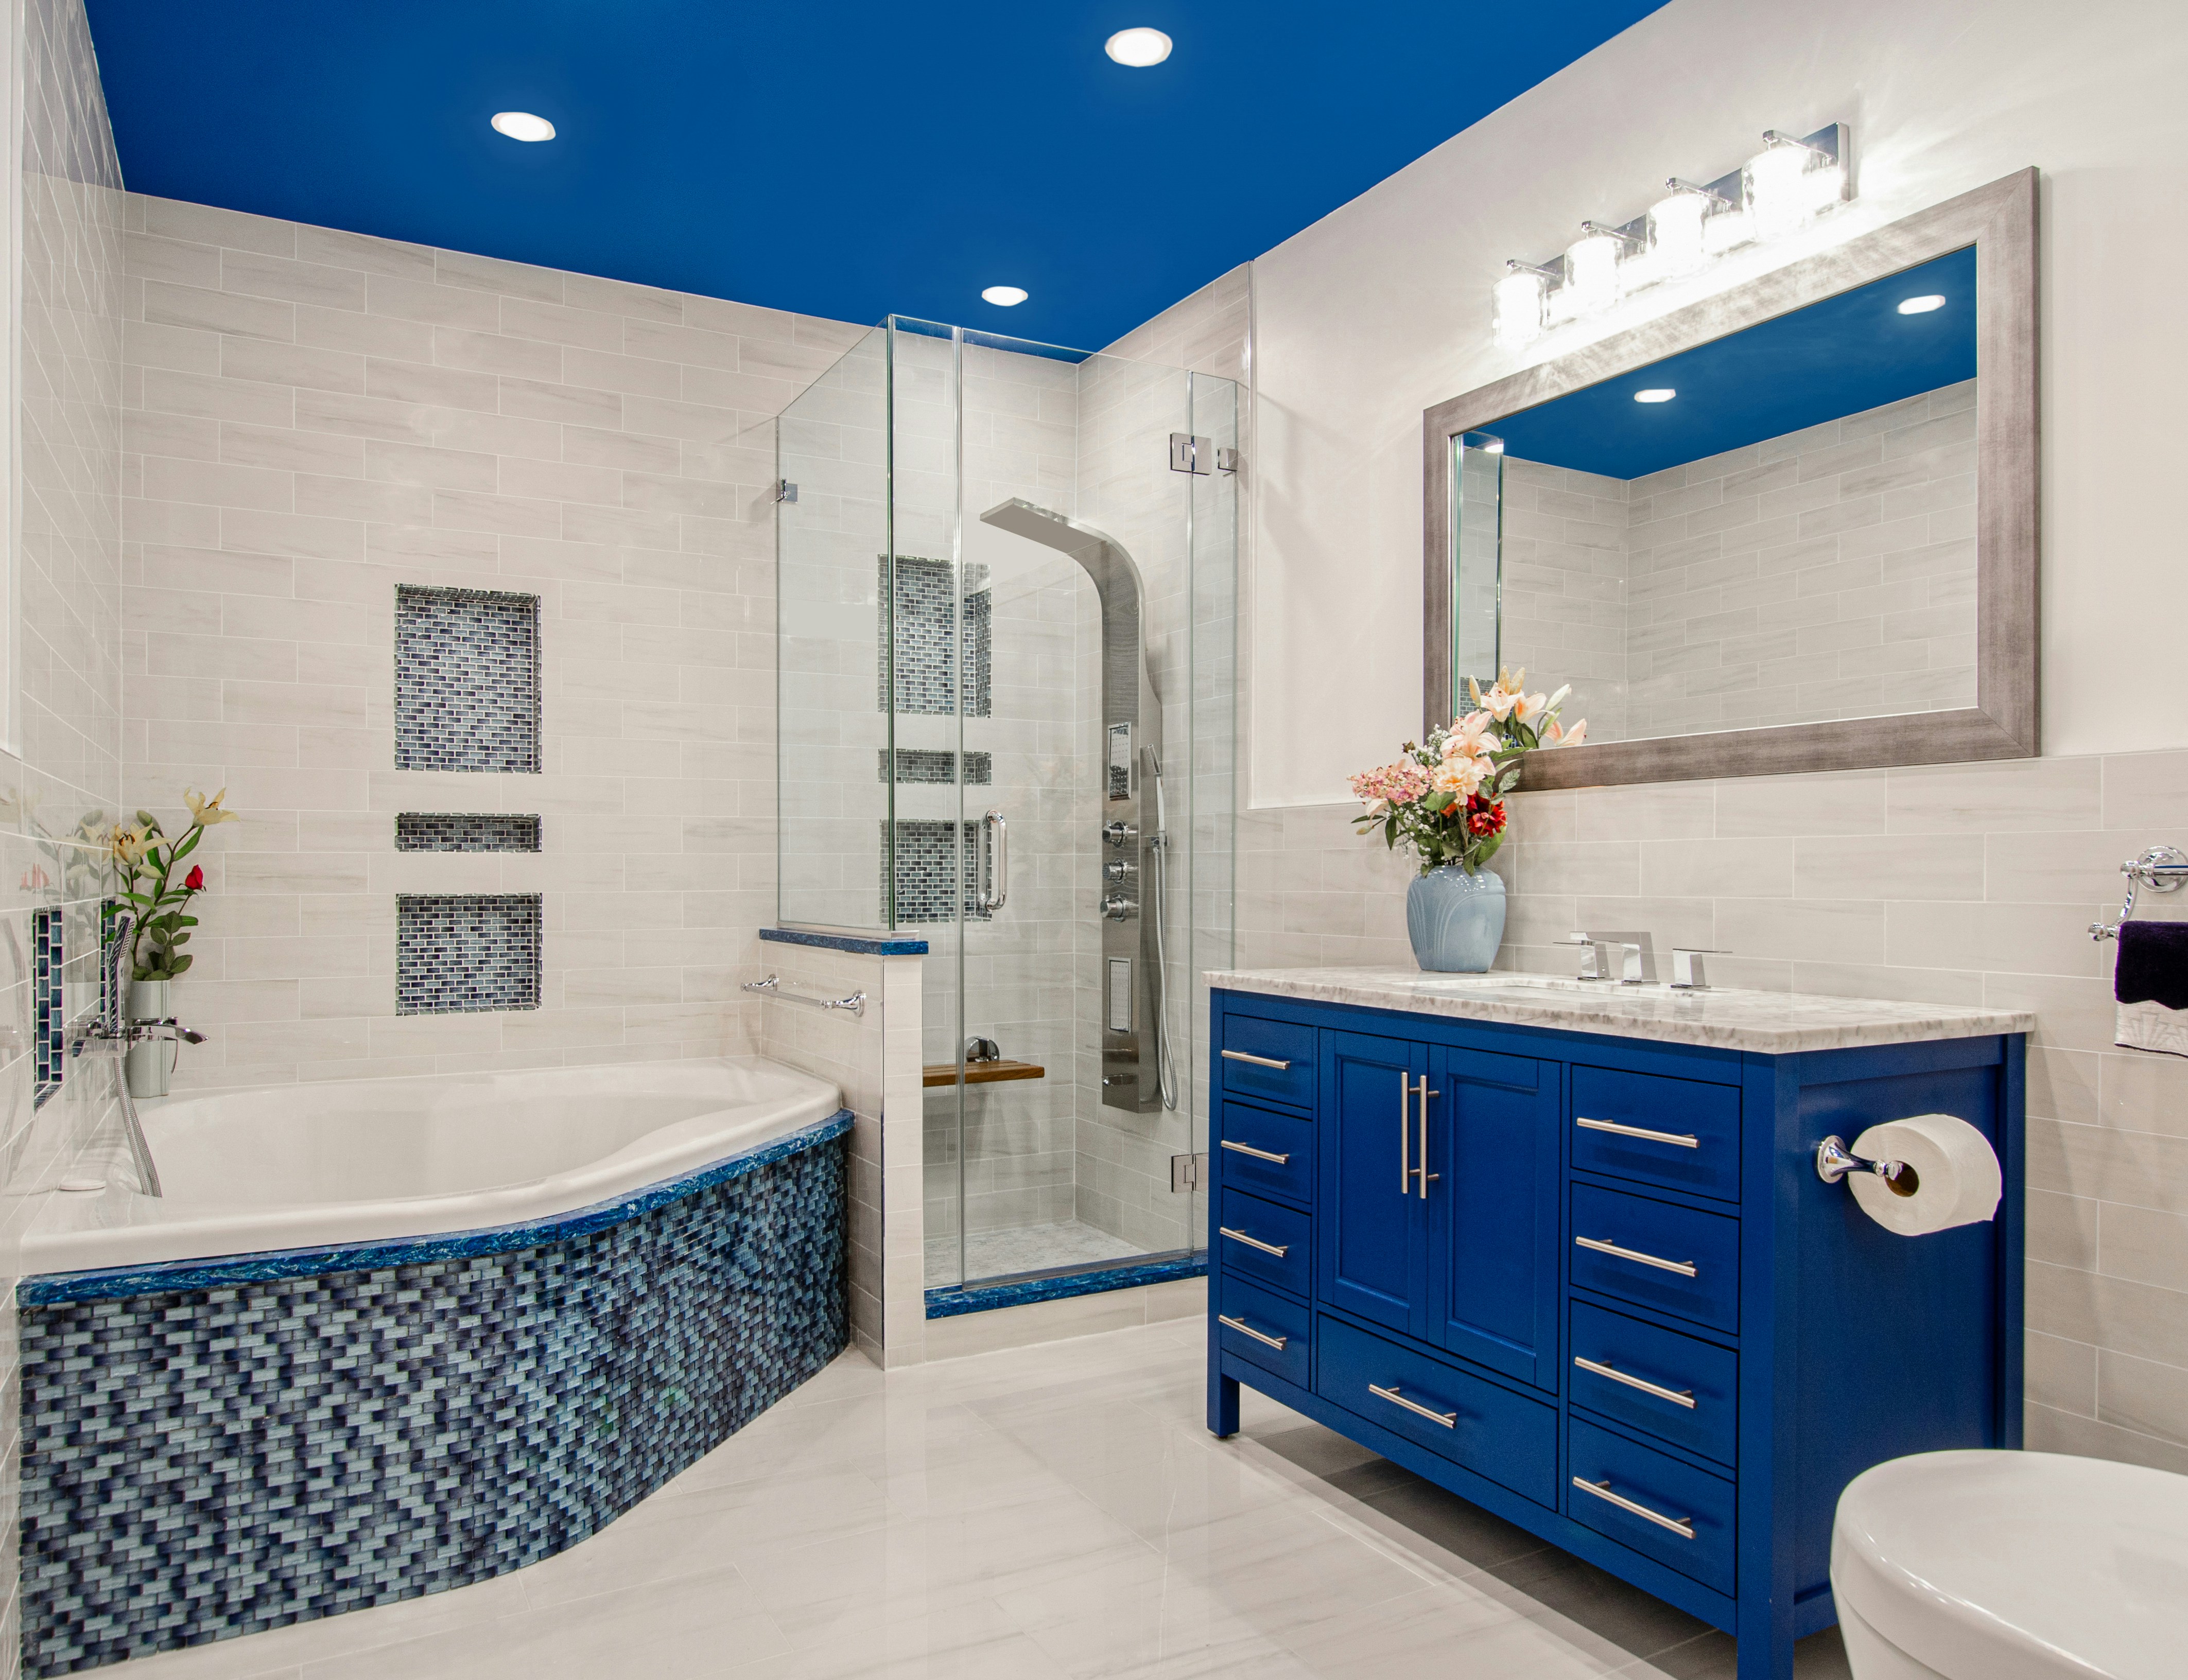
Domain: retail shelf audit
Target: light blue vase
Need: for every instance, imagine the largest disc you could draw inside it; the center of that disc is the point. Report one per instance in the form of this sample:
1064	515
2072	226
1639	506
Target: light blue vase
1455	920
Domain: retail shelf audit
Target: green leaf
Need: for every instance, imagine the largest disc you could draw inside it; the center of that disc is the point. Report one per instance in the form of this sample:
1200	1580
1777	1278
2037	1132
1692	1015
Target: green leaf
179	964
187	844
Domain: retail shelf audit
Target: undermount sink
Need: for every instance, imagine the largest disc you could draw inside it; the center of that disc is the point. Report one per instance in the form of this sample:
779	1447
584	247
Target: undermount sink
1497	982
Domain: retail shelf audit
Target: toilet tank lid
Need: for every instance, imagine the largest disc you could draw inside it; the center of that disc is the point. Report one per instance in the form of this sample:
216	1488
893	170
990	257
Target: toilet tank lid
2019	1565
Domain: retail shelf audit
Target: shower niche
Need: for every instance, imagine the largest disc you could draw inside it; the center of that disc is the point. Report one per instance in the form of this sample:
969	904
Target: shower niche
1007	662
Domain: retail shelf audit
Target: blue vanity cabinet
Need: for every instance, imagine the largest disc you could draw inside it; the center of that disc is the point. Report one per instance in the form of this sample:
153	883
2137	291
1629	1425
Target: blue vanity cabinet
1593	1284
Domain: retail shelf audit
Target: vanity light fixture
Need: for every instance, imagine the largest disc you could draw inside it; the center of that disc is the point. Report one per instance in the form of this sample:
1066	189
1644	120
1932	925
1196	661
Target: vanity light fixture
1009	296
1776	192
1922	306
1137	48
1660	393
521	125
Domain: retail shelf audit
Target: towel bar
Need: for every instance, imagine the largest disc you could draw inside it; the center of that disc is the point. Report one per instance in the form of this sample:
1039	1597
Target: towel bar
2161	869
772	987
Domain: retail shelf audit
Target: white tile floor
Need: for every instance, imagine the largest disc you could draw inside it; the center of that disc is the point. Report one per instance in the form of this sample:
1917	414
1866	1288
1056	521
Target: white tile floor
1053	1513
1023	1247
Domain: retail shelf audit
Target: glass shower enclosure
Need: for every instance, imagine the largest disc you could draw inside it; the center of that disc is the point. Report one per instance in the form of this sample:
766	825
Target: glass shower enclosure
1007	592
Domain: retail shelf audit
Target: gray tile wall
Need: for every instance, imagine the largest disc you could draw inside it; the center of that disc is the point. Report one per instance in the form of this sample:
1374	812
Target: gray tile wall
1960	883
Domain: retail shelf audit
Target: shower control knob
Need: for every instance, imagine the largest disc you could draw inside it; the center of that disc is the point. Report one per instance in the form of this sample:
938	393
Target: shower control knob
1118	869
1119	833
1118	908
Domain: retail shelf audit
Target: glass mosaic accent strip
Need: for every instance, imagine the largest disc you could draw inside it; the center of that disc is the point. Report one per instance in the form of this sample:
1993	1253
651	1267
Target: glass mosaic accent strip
464	831
49	960
925	873
918	765
202	1464
460	952
927	639
952	1300
467	680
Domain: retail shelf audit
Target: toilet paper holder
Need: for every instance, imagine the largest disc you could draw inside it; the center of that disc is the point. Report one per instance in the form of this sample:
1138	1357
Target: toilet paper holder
1834	1161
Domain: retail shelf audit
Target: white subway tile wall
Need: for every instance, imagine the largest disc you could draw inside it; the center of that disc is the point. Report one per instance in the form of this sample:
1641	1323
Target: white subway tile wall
314	417
1960	883
59	800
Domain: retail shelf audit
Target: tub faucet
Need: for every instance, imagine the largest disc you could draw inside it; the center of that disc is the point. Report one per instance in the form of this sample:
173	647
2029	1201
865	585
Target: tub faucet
114	1034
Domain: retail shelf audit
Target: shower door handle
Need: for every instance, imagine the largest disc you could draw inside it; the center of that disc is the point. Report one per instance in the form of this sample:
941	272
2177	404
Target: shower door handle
994	861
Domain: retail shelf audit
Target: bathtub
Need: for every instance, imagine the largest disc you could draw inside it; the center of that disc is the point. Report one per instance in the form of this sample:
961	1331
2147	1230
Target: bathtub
387	1337
362	1160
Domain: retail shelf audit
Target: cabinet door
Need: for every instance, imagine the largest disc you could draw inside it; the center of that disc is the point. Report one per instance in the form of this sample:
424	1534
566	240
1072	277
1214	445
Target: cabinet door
1371	1223
1492	1236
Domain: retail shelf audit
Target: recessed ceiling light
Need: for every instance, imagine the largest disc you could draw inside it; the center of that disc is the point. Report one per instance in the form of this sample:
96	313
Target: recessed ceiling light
1921	306
1662	393
1138	48
521	125
1008	296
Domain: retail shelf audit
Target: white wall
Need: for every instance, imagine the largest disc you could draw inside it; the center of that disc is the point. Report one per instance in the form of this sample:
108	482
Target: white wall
1382	308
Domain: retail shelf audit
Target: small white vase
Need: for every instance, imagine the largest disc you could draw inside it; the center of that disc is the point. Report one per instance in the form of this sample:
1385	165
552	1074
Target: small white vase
151	1065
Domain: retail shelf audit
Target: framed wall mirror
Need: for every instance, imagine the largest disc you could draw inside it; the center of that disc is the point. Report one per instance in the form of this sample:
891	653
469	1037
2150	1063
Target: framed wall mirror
1790	528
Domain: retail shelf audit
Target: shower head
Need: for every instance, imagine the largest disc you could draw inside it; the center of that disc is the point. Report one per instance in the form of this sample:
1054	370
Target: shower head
1153	760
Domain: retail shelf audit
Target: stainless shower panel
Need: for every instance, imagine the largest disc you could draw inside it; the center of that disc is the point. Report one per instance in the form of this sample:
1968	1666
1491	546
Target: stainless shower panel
1132	728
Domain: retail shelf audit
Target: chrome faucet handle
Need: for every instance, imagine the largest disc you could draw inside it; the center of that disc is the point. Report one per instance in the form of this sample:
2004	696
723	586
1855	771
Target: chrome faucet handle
1687	973
1629	958
1597	960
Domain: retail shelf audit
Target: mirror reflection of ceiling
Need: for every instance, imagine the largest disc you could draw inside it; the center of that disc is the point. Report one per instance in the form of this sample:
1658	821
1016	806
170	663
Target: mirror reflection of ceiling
1843	356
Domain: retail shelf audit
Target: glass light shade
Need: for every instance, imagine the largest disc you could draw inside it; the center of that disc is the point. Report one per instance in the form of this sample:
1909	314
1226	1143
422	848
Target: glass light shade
1779	197
1726	230
1592	273
1676	234
1519	312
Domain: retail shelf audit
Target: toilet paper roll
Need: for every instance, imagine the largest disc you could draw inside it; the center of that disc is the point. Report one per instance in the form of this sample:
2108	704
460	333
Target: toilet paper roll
1958	1181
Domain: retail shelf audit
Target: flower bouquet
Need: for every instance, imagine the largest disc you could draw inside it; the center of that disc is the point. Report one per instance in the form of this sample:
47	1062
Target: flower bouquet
1445	799
146	859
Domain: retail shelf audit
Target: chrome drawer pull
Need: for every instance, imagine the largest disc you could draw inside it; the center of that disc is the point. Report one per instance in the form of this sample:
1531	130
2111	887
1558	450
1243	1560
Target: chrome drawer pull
1681	1527
1678	1396
1257	1154
1245	1329
1258	1061
1684	1268
1278	1250
1448	1419
1685	1140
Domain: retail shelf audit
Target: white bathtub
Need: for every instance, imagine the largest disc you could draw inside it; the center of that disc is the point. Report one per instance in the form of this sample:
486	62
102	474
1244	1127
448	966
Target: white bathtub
360	1160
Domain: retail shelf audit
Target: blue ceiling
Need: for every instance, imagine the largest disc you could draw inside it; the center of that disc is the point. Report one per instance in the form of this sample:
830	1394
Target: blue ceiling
1845	355
841	159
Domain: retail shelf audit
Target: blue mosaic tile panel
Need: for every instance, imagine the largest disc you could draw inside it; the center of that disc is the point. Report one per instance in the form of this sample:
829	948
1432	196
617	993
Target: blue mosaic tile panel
464	831
49	1028
866	944
927	638
202	1464
919	764
460	952
926	877
466	679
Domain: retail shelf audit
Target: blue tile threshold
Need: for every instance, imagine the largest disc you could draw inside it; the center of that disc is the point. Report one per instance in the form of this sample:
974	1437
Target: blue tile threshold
866	944
955	1298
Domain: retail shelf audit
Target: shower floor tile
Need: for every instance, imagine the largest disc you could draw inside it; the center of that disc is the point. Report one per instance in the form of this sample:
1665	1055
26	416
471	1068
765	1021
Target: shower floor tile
1024	1248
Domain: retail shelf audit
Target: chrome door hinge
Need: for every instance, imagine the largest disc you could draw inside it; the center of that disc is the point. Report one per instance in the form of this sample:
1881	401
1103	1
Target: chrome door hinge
785	490
1188	1172
1189	453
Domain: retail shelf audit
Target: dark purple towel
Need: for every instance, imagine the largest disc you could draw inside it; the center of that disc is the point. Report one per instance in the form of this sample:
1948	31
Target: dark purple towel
2153	964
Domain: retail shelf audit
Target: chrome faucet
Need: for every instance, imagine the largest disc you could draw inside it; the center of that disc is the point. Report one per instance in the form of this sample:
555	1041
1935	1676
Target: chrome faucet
1627	958
111	1033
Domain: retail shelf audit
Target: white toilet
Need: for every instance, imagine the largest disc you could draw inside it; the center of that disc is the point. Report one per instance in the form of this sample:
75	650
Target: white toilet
2012	1566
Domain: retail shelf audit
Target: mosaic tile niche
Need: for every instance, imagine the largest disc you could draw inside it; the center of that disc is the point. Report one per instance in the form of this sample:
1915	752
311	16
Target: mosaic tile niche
467	680
925	873
927	638
204	1462
464	831
463	952
923	765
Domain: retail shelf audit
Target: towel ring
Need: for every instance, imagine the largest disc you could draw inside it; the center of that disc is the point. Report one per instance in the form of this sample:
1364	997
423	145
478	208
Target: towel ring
2161	869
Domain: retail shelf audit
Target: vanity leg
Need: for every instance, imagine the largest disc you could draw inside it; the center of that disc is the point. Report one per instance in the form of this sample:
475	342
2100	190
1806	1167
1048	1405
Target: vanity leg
1766	1654
1222	1403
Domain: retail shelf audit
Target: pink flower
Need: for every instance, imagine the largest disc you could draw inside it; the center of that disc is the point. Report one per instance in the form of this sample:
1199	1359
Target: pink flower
1577	734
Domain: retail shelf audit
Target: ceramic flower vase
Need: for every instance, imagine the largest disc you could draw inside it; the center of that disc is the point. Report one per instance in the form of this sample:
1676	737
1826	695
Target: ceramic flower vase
151	1065
1456	920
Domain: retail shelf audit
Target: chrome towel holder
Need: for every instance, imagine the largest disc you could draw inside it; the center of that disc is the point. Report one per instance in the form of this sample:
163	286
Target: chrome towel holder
772	987
2161	869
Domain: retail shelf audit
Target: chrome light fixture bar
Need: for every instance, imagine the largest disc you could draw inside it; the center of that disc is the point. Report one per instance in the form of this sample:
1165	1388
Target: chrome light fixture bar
1776	193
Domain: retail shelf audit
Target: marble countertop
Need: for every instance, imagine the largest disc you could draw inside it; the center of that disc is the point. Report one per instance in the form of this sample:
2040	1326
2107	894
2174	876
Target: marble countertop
1769	1023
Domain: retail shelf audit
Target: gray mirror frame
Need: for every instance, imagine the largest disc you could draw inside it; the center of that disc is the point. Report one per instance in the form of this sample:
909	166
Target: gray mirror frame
1999	220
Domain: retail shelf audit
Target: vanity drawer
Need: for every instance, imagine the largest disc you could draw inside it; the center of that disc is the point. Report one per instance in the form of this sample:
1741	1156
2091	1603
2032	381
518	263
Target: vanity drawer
1269	1153
1248	1320
1263	1242
1678	1260
1695	1536
1273	1059
1490	1430
1706	1375
1695	1146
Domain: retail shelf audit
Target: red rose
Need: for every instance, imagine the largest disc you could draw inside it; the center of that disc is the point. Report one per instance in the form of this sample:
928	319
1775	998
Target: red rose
195	879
